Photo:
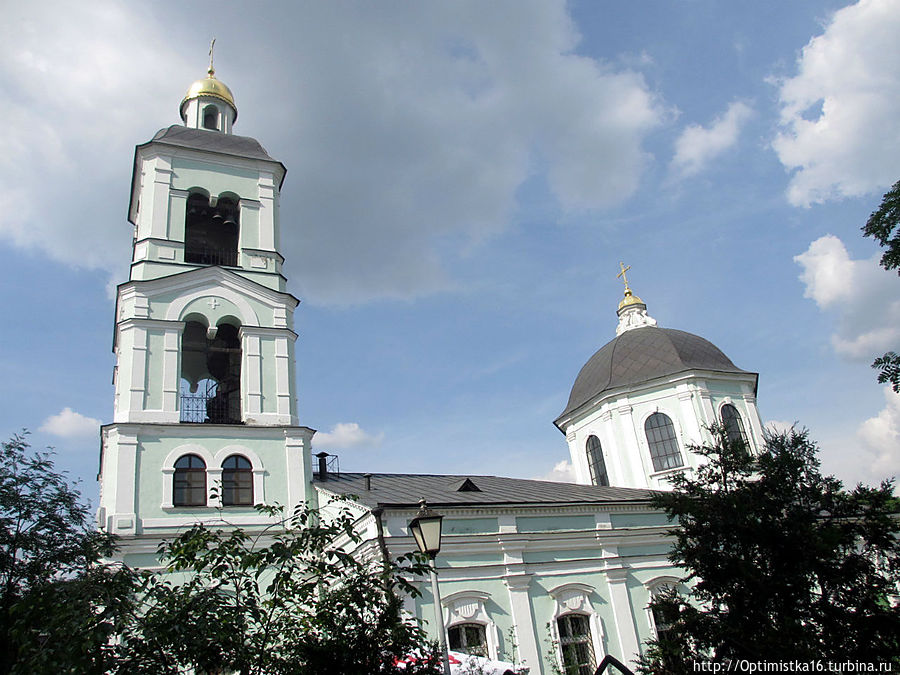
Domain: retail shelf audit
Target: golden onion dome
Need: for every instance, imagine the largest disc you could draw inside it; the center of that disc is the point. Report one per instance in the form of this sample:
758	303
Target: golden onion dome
629	300
211	87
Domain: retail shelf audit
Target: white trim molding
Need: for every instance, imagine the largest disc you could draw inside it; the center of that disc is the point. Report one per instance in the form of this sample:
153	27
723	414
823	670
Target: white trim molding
575	598
465	607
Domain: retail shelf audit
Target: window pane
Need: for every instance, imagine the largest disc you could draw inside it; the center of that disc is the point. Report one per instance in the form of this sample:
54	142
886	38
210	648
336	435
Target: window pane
576	644
468	638
663	446
237	481
734	425
596	464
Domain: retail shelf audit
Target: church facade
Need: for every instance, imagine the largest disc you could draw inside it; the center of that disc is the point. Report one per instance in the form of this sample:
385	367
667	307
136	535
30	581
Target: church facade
545	575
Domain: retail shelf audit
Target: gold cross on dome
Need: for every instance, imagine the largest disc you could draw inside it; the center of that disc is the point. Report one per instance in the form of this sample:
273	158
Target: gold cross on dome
211	71
624	268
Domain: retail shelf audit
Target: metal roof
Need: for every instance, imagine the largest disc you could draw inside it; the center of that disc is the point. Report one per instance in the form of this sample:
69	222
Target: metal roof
643	354
405	490
213	141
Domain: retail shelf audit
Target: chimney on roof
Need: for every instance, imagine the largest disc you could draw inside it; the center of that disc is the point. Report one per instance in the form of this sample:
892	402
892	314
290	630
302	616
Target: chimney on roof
368	478
323	465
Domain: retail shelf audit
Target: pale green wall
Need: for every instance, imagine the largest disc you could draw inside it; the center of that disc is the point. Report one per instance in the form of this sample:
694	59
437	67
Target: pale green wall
552	523
214	178
470	526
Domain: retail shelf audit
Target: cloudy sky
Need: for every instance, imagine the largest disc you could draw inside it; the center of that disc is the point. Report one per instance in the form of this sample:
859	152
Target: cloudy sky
463	178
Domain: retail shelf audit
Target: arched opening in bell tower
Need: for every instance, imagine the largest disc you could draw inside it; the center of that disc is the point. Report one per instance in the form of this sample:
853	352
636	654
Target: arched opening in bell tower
211	118
211	231
211	372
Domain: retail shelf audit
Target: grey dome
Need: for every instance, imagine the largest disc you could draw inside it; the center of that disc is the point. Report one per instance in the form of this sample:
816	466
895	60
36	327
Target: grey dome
643	354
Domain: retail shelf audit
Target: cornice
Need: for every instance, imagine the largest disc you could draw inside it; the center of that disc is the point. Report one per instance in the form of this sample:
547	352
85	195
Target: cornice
207	276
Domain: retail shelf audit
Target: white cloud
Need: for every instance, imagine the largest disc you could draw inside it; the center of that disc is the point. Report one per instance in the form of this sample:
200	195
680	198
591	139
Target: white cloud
860	293
840	114
562	472
79	83
346	435
70	424
407	129
880	436
697	146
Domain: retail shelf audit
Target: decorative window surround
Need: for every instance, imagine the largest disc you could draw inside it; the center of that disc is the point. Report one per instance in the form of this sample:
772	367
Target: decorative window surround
213	472
575	598
468	607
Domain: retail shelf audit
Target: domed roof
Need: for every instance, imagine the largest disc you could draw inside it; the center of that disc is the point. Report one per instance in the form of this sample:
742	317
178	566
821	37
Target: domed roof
209	86
641	355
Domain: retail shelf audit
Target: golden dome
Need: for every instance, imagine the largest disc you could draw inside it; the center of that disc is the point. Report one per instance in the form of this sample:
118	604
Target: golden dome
629	300
209	86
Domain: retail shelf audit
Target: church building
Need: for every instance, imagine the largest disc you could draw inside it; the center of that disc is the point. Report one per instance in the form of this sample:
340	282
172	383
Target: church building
205	423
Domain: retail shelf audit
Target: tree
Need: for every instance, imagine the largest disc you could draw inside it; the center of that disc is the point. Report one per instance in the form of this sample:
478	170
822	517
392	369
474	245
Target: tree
288	599
51	579
882	226
783	563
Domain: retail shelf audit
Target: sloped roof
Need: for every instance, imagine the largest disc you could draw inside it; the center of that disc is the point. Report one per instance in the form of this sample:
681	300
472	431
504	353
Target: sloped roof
643	354
212	141
405	490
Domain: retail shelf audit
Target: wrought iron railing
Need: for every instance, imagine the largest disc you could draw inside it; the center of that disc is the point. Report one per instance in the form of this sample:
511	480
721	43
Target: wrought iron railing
211	408
209	255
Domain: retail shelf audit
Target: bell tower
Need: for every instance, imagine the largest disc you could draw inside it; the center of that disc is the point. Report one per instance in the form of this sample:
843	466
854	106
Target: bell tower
205	422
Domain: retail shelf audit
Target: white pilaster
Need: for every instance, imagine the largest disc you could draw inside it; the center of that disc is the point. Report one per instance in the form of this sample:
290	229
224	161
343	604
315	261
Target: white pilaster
283	380
523	619
252	373
267	211
755	420
690	422
626	632
171	368
637	471
123	519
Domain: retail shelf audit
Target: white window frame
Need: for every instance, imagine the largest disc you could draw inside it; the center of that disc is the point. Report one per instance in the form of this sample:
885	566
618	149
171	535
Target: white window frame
469	607
575	598
213	472
654	587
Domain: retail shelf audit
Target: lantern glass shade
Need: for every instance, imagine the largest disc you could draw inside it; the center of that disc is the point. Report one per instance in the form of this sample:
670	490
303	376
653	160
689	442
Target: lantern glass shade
427	532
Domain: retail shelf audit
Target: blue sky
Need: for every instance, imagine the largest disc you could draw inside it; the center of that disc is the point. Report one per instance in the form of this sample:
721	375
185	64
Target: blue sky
463	179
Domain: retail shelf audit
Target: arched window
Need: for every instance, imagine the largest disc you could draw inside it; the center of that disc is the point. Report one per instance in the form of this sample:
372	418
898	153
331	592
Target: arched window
576	644
734	425
596	465
663	446
468	638
211	232
211	374
663	616
189	482
211	118
237	481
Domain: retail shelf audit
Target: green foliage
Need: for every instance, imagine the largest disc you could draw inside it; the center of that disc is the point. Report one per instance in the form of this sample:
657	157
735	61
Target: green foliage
285	599
889	365
882	226
783	562
50	577
282	600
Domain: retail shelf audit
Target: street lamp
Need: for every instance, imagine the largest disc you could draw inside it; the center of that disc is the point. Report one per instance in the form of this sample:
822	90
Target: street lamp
426	528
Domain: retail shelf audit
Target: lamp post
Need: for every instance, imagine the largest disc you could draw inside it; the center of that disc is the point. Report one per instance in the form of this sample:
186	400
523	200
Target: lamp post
426	528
